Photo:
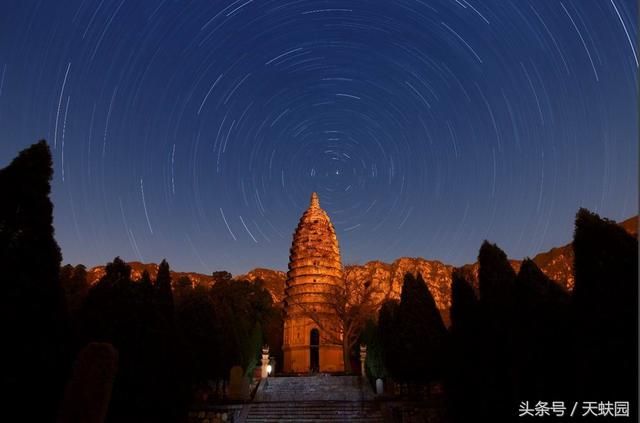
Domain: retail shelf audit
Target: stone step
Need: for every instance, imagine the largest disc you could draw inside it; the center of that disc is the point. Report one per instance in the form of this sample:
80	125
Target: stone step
312	388
316	411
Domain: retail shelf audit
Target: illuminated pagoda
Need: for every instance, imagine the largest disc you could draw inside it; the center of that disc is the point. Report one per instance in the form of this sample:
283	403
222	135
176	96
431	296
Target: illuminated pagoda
312	337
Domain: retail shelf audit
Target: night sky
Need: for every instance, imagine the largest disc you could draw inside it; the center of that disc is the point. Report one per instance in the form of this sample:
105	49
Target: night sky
197	130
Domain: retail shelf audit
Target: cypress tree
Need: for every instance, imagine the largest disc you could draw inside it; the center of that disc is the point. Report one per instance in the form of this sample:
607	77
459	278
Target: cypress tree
182	288
497	397
422	332
127	314
74	282
388	330
605	309
163	287
542	323
464	304
34	313
66	274
79	279
496	277
374	361
146	286
462	382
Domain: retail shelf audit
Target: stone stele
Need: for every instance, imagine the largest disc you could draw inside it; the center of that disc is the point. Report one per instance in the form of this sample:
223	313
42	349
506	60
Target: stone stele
312	340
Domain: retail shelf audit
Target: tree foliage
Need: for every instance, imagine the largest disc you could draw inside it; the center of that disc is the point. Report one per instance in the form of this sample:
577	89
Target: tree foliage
163	286
375	364
75	285
33	306
542	327
605	309
131	315
463	370
530	339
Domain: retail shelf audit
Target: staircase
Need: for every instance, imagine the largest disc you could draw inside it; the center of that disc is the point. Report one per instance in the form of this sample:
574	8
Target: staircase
314	411
319	398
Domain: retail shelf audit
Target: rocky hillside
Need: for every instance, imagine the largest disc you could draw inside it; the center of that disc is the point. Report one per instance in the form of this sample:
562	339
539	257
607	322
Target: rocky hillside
95	273
273	280
385	279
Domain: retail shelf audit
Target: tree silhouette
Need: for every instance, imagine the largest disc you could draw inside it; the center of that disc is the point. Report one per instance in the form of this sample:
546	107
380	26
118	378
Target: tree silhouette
125	313
221	276
33	310
422	333
75	285
388	330
462	382
375	365
605	309
498	398
198	331
66	273
163	287
181	289
79	279
542	325
496	277
145	279
241	308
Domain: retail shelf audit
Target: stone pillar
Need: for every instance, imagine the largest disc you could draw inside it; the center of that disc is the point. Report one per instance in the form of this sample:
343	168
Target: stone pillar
363	360
265	362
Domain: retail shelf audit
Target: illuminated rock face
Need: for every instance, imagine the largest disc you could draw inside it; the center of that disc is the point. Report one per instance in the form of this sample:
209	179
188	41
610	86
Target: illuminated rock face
312	337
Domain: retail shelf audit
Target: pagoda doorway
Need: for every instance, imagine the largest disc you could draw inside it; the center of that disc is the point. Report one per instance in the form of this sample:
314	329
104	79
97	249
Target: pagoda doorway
314	351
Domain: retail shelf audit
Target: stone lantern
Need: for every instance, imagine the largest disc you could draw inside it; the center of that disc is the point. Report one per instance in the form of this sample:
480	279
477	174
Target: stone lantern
265	362
363	359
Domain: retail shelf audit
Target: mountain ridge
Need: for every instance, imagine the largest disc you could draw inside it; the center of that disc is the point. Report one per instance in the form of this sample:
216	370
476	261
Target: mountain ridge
386	278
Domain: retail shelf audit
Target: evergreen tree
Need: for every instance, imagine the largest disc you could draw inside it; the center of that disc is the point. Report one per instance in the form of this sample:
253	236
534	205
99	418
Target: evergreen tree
198	331
78	281
605	306
33	310
389	329
182	288
496	277
66	273
146	286
145	278
464	305
422	332
375	361
462	381
221	276
75	285
127	314
498	398
242	309
542	325
163	286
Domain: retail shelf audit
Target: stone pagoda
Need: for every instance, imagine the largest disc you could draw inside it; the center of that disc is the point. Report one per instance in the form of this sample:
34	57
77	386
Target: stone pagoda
312	339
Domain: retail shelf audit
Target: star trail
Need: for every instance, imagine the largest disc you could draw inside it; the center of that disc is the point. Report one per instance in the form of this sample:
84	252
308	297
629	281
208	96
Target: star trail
197	131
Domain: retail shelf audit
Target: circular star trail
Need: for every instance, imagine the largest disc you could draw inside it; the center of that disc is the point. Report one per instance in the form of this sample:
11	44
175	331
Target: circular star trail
197	131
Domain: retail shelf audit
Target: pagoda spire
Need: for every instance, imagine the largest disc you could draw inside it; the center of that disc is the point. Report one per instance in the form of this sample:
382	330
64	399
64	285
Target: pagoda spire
315	201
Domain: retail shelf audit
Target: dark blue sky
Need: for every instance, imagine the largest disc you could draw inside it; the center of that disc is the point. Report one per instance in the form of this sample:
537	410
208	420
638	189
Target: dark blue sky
197	130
